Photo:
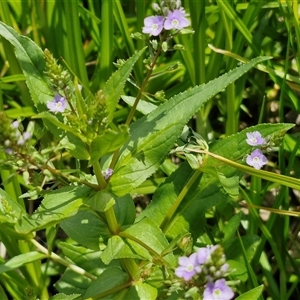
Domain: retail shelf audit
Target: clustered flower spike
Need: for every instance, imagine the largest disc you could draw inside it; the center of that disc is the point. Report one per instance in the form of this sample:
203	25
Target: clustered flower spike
209	264
256	158
174	17
58	104
12	138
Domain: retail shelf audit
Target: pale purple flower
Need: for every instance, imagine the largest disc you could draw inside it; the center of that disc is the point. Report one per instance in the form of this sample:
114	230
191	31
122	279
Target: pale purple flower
203	254
256	159
58	104
218	291
255	139
22	139
9	151
107	173
188	267
176	20
153	25
14	125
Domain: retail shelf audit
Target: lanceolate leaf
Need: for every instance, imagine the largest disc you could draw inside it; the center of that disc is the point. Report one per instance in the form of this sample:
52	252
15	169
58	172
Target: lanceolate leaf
32	62
154	135
115	84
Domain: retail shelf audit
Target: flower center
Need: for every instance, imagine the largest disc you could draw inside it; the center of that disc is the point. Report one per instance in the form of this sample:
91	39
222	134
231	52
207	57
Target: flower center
217	292
256	159
175	22
154	26
190	267
58	104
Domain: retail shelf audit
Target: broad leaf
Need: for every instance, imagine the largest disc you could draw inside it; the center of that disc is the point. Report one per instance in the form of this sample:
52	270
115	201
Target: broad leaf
154	135
56	206
117	248
114	86
108	280
149	234
141	290
86	228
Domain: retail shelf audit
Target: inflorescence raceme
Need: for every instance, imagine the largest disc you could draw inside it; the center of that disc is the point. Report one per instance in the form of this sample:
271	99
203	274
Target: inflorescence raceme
256	159
206	268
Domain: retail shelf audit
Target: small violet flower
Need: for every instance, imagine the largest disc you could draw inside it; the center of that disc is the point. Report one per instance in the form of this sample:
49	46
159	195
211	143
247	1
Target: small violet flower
203	254
255	139
15	125
153	25
256	159
218	291
22	139
58	104
107	173
176	20
188	267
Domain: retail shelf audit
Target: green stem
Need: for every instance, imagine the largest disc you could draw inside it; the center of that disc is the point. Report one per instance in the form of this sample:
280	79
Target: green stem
100	179
62	261
137	99
278	178
172	210
112	222
131	267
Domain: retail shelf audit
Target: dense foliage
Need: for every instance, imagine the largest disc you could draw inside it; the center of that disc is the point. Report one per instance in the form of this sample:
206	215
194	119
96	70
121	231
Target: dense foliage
149	150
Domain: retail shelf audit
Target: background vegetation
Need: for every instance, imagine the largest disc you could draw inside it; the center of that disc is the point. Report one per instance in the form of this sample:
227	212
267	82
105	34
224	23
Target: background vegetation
90	36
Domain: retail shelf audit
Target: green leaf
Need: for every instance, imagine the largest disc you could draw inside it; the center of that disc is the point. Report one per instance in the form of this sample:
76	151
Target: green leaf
107	283
62	296
10	214
56	206
56	122
86	228
114	86
117	248
141	290
143	106
148	233
253	294
235	250
32	62
75	146
100	201
21	260
154	135
239	271
230	184
72	283
190	216
85	258
230	229
108	142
